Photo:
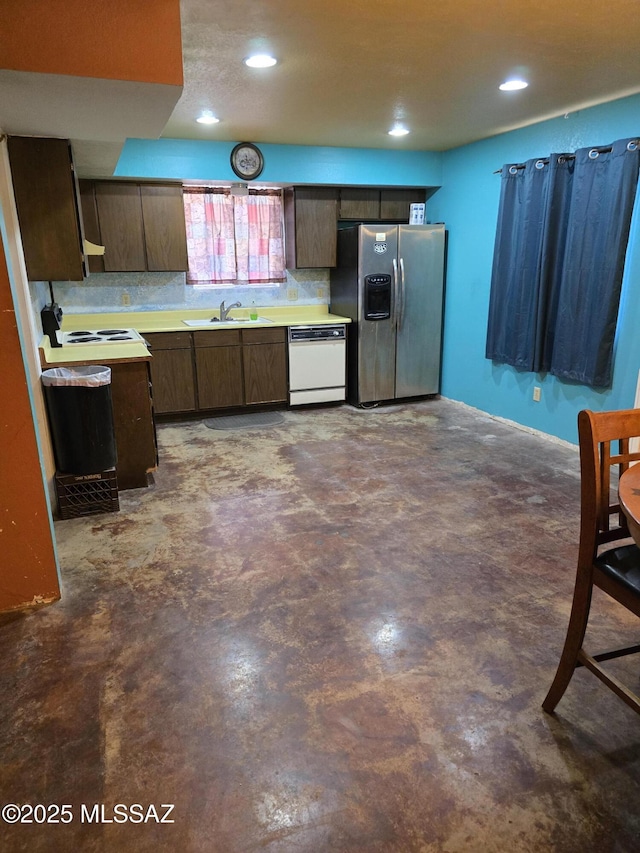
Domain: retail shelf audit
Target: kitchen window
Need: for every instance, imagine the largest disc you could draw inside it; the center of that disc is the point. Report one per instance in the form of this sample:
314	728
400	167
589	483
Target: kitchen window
234	239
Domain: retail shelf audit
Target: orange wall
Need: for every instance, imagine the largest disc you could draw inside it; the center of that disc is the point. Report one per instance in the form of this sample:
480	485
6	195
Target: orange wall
110	39
28	572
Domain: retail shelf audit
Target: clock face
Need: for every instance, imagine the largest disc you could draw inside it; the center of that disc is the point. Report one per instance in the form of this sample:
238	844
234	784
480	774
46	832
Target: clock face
247	161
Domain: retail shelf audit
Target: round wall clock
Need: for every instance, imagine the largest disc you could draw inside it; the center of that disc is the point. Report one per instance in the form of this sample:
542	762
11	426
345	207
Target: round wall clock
247	161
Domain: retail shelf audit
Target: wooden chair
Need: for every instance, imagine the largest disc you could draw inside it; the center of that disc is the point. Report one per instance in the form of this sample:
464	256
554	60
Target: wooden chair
605	560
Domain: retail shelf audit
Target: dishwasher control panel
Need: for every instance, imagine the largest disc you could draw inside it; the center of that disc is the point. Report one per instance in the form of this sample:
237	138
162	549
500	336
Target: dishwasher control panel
317	333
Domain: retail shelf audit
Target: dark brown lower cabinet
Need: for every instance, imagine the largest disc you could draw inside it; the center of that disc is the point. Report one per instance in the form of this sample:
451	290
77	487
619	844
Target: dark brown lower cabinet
218	369
219	373
133	423
264	363
172	376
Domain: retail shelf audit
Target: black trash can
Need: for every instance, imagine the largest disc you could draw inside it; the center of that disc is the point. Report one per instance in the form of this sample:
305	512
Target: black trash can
81	418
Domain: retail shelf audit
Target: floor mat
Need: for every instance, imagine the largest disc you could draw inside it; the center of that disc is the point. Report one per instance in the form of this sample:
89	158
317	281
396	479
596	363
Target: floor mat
249	421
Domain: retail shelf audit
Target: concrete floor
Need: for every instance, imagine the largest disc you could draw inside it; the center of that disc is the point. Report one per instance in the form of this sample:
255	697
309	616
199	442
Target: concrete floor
329	635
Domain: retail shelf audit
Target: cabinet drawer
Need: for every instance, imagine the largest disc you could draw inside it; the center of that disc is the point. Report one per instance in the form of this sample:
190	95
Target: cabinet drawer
168	340
264	335
218	338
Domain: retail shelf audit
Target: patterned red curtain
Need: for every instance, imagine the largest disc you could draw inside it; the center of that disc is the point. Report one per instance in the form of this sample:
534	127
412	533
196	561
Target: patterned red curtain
233	239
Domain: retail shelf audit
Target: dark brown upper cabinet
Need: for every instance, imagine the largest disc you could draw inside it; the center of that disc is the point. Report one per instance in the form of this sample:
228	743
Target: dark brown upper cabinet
164	226
310	216
373	205
396	204
121	231
95	263
47	203
141	226
359	203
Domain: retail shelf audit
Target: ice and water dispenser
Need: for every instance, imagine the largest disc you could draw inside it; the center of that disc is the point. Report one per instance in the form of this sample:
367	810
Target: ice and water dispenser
377	297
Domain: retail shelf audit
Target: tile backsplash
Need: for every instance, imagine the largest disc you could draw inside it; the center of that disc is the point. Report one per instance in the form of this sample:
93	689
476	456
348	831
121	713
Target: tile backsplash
157	291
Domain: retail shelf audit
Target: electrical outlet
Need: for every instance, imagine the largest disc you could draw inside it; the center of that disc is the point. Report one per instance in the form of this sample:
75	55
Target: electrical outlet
292	294
537	393
320	294
125	299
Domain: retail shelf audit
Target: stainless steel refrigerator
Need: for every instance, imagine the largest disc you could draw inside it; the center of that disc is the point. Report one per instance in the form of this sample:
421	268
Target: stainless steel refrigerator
389	280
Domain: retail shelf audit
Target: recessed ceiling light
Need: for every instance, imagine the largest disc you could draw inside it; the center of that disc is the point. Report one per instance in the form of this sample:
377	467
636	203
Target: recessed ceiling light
513	85
260	60
398	131
207	117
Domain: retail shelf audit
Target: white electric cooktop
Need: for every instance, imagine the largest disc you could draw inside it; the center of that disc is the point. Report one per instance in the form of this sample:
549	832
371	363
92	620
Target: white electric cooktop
87	337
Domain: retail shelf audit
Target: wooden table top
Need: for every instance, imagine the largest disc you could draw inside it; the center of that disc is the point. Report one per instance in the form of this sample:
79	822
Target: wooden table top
629	494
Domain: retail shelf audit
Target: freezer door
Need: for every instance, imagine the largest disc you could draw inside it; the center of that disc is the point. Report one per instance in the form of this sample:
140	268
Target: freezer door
376	338
419	309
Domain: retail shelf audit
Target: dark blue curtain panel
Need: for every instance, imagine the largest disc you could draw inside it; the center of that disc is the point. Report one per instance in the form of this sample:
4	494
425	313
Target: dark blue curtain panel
561	240
602	198
513	305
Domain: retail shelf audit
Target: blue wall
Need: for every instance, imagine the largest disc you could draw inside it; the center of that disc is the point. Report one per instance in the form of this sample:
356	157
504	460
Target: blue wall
197	160
468	203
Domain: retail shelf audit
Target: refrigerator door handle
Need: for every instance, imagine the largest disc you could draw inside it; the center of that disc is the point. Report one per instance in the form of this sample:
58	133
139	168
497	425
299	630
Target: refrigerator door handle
396	292
402	292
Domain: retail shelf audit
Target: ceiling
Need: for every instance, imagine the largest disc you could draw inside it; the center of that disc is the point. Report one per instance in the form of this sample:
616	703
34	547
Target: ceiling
349	70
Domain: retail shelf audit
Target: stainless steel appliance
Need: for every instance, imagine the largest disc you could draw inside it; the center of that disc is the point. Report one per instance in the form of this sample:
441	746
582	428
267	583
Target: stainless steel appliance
389	281
100	336
317	363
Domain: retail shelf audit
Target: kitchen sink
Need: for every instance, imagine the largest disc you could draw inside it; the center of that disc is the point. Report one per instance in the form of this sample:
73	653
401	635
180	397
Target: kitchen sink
214	322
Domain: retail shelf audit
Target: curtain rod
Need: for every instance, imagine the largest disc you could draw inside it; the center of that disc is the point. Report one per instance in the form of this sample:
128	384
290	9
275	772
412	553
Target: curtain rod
563	158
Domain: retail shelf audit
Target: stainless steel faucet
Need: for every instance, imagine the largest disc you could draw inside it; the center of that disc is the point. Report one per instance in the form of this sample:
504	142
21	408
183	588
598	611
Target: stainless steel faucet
224	312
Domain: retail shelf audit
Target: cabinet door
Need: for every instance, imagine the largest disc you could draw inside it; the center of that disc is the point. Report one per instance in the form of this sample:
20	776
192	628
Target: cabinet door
45	192
311	221
164	227
359	203
395	204
172	380
95	263
265	373
121	232
264	363
219	376
133	423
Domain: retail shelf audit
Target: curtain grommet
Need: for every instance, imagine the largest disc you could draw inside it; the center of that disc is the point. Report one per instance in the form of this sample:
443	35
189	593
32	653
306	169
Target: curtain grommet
594	154
540	164
513	170
632	145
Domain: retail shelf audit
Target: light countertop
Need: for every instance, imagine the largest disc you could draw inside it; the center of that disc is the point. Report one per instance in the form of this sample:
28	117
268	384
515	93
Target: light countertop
171	321
167	321
107	353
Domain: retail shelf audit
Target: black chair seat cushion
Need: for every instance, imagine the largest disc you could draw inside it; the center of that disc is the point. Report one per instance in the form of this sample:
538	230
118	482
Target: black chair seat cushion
622	564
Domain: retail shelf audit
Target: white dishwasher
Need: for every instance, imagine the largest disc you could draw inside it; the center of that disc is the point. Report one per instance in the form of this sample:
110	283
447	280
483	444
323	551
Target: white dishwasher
317	363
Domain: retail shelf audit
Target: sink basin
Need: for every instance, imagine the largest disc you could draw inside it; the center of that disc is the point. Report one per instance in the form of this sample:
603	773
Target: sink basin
230	322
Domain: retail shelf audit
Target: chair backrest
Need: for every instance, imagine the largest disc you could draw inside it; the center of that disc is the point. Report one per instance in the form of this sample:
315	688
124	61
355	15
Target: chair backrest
604	444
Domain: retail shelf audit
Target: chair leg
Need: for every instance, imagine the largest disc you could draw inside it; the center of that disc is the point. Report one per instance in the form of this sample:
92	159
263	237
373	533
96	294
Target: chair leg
573	643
